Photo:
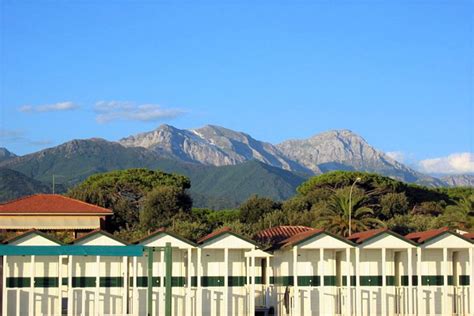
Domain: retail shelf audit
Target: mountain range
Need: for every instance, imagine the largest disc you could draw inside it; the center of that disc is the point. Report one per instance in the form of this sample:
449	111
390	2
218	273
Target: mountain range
211	145
225	166
459	180
332	150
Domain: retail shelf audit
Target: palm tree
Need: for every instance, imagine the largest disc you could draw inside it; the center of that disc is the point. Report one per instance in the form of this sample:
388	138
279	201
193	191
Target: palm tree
461	214
335	216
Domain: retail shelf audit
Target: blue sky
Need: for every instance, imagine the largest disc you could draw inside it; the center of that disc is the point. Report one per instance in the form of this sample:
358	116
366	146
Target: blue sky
399	73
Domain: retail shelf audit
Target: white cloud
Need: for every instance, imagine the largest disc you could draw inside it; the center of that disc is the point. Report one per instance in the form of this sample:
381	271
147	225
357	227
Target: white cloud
108	111
456	163
396	155
56	107
40	142
9	136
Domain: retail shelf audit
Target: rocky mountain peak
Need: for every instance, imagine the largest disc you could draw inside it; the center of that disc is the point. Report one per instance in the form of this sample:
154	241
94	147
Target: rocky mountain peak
346	150
460	180
5	154
210	145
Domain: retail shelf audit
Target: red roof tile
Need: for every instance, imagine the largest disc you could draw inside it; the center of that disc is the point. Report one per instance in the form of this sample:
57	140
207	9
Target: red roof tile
420	237
278	234
362	236
469	236
214	234
51	204
300	237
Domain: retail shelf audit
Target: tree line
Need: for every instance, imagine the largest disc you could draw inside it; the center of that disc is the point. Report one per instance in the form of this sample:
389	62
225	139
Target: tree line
144	200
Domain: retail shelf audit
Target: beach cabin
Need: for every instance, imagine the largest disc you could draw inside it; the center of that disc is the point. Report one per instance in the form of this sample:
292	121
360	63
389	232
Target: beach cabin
32	284
184	256
41	276
232	275
445	272
99	284
384	268
311	269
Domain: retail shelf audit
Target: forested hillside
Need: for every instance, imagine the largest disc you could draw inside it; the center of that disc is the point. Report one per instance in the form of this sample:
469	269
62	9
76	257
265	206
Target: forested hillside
323	201
14	184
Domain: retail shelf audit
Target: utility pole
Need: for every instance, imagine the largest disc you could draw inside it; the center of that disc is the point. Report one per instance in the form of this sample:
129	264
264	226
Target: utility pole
54	181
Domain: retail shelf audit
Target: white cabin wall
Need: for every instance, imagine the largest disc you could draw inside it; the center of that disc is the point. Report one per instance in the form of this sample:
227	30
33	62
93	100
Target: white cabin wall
238	302
431	265
281	265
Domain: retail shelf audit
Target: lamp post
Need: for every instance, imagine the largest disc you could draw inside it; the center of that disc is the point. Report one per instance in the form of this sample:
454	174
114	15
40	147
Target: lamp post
350	204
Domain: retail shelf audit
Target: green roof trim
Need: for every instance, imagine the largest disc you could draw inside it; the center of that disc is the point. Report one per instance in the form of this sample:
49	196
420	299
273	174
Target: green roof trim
253	242
316	234
98	232
447	232
392	234
30	232
164	232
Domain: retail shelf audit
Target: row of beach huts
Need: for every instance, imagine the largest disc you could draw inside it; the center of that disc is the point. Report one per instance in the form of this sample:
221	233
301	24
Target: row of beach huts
300	271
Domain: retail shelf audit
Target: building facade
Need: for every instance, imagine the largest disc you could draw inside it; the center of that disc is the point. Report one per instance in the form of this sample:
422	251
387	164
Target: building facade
51	212
303	271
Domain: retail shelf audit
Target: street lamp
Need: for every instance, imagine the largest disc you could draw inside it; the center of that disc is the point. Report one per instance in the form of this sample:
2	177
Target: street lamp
358	179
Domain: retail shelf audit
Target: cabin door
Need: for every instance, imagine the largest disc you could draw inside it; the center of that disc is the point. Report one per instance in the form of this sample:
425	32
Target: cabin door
339	294
460	295
399	293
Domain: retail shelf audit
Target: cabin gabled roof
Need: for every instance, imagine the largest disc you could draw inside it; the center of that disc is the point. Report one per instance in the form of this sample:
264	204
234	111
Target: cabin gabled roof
421	237
50	204
97	232
307	235
220	232
360	237
276	235
426	236
31	232
299	238
163	231
366	236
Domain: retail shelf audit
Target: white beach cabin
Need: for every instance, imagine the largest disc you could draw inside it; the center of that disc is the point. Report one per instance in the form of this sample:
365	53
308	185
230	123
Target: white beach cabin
28	279
183	272
310	274
230	277
445	265
99	284
384	268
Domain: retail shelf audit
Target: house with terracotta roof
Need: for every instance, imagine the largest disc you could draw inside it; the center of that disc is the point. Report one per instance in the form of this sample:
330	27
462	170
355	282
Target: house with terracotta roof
51	212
